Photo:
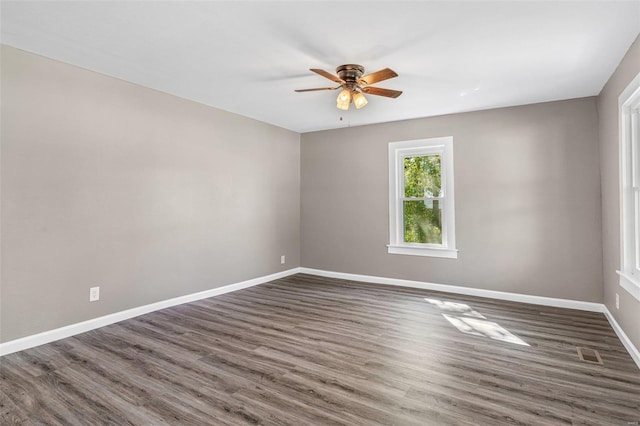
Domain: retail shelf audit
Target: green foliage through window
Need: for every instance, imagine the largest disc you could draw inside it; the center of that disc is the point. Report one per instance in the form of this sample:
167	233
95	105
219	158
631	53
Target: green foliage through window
422	176
422	216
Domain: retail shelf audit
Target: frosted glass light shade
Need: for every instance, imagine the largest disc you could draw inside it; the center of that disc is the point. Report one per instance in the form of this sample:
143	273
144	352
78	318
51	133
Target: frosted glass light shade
359	100
344	99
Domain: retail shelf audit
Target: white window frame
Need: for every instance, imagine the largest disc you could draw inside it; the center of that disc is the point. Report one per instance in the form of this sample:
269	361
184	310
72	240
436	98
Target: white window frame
629	112
442	146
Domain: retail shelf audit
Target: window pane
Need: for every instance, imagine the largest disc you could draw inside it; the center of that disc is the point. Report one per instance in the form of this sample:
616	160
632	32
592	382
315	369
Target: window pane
635	151
636	227
422	176
423	221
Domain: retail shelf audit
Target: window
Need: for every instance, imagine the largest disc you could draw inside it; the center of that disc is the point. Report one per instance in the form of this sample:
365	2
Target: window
629	107
421	203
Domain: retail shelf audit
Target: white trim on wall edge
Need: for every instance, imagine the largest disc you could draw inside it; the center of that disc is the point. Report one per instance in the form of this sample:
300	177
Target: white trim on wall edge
492	294
626	342
469	291
81	327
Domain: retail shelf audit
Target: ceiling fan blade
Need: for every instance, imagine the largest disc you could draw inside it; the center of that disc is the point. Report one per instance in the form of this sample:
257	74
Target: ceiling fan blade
328	75
377	76
318	88
379	91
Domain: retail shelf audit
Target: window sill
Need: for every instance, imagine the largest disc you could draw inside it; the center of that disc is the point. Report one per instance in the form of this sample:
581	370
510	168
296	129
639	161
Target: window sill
631	284
423	251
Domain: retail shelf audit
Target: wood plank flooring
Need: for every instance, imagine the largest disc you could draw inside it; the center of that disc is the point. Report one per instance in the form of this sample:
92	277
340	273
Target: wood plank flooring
306	350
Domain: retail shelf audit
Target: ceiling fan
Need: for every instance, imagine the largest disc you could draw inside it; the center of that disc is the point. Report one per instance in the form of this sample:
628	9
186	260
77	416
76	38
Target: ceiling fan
354	85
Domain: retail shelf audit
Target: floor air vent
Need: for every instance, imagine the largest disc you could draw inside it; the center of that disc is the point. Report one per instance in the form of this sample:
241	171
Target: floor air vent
589	355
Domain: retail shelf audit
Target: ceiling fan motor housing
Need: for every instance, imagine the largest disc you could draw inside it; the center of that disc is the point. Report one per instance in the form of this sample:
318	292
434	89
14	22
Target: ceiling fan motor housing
350	72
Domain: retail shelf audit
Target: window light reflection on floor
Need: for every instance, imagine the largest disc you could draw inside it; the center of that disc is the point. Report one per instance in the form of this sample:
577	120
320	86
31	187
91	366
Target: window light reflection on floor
470	321
455	308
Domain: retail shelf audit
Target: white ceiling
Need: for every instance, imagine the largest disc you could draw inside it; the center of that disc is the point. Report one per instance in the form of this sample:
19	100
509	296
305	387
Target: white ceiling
248	57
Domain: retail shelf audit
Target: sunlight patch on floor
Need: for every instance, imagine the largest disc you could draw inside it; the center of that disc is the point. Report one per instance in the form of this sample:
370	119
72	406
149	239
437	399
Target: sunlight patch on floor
479	327
470	321
455	308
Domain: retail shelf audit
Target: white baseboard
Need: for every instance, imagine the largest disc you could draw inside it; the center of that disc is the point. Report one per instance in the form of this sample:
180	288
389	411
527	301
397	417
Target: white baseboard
629	346
492	294
81	327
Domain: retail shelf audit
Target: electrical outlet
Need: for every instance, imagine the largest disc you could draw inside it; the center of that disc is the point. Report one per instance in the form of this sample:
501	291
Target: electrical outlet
617	301
282	260
94	294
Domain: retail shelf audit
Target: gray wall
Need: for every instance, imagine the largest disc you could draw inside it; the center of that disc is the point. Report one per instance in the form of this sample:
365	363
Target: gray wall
528	217
628	316
146	195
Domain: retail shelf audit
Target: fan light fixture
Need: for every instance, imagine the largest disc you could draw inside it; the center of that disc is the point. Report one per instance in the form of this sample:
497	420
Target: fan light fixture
344	99
354	85
359	100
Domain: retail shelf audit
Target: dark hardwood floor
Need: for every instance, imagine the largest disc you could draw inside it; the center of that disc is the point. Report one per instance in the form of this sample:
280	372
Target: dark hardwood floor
306	350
